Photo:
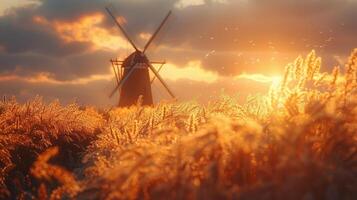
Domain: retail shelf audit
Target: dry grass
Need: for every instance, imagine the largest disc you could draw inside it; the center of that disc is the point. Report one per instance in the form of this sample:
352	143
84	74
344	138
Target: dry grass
298	142
29	129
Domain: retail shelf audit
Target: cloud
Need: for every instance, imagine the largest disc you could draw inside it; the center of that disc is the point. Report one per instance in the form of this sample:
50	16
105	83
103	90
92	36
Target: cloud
185	3
67	68
193	71
274	32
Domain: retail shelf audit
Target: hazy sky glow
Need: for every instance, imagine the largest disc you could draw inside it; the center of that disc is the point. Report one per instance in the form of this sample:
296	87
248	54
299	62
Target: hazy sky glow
61	49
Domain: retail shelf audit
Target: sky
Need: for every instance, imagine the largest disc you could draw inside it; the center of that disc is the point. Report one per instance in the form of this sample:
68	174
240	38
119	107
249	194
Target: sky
61	49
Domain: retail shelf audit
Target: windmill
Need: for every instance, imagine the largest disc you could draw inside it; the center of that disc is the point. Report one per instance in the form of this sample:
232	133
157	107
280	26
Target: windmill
132	74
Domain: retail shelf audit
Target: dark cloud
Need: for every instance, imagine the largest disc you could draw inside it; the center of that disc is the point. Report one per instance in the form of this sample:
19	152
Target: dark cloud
20	34
59	68
90	63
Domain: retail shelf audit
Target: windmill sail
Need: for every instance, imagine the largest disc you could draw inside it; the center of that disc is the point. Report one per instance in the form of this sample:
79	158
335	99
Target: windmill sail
157	31
122	30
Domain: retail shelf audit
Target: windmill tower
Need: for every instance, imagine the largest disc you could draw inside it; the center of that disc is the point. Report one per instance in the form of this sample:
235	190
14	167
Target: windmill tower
132	74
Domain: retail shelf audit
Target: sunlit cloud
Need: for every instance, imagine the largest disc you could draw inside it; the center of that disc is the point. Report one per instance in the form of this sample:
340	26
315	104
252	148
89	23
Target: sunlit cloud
86	29
192	71
186	3
145	36
259	77
195	71
6	4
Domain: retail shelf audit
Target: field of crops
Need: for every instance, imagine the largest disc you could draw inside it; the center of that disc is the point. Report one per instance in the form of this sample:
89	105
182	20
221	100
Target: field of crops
298	141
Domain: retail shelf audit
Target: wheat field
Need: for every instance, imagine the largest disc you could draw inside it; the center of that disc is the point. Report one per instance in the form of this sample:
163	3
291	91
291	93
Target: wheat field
298	141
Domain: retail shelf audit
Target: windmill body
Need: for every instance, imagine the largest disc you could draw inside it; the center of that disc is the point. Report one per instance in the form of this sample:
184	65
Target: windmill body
132	74
138	85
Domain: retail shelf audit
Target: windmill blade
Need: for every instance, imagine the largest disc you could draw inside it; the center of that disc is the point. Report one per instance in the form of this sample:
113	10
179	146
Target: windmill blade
122	29
158	71
123	80
156	32
161	80
115	72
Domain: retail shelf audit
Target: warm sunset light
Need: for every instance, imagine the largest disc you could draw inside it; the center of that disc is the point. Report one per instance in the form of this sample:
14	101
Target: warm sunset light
276	81
201	42
181	99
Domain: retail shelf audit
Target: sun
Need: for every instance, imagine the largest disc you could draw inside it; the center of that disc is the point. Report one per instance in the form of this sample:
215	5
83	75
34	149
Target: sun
276	81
